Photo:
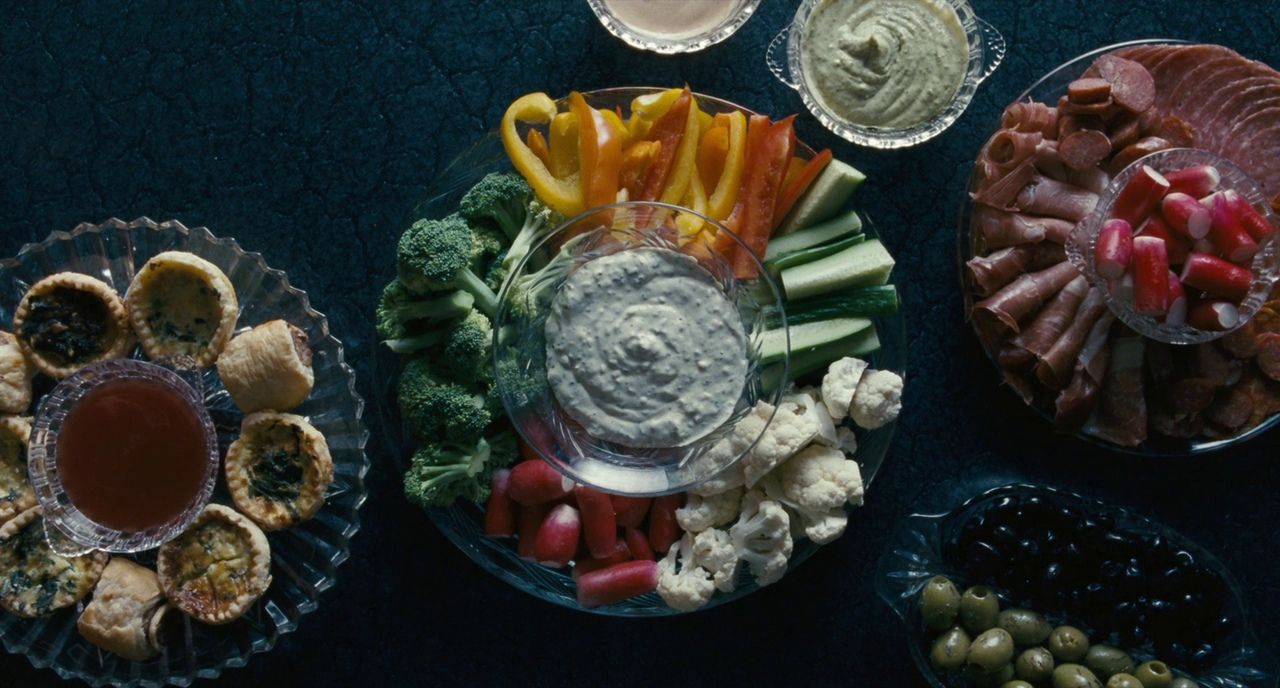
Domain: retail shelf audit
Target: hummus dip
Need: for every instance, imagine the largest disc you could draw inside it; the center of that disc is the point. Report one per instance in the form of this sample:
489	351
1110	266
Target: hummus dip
884	63
644	349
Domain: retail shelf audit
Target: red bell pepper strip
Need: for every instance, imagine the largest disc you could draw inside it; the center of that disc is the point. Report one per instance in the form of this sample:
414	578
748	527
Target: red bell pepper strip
600	153
769	153
668	131
792	192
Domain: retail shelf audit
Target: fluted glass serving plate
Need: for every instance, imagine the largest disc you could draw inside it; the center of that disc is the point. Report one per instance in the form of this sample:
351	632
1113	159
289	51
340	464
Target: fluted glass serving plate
305	558
463	522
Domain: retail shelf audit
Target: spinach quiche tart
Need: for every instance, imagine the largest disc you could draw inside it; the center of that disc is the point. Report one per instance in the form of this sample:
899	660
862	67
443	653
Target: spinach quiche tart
35	581
268	367
279	469
127	612
16	495
15	376
181	305
67	321
216	570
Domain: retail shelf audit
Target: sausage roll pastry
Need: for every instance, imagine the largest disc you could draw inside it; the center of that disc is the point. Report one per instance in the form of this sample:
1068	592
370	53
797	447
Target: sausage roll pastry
127	612
268	367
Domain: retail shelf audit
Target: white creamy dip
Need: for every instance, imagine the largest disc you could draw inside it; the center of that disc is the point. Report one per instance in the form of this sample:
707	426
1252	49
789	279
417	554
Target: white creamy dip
672	18
644	349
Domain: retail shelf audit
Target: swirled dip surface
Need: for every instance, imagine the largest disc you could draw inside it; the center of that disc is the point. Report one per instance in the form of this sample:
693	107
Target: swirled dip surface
644	349
884	63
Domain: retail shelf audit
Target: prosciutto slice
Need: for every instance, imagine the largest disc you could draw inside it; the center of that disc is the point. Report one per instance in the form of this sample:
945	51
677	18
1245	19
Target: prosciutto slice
1056	365
1121	414
1030	346
1048	196
997	229
988	273
1076	402
1008	148
1003	192
1001	312
1031	116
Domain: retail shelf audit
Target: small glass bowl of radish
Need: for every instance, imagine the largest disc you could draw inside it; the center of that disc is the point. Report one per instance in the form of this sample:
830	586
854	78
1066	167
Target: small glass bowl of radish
1183	242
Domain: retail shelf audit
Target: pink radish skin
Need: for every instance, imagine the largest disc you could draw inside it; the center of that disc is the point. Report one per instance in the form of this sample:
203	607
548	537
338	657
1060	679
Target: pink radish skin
1140	197
663	528
1114	249
1216	276
1213	315
535	482
638	544
630	511
1150	276
1176	245
557	538
500	511
599	526
617	583
528	521
1227	232
1197	180
1254	222
619	553
1177	314
1185	215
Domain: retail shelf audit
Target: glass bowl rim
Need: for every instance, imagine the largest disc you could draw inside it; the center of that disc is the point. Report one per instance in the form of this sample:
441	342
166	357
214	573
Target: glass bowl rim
641	40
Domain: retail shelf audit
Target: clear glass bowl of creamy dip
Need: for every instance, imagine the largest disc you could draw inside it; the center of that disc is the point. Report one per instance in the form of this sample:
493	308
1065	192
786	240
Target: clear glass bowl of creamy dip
886	73
673	26
626	349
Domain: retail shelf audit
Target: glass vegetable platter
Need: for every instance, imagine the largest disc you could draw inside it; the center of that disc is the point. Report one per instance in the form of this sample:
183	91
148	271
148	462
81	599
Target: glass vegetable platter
463	523
305	558
1047	89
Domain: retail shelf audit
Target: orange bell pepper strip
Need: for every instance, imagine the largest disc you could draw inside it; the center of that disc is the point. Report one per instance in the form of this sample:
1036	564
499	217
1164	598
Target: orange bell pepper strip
768	157
712	150
600	150
538	144
668	130
682	170
796	187
563	195
722	199
563	159
793	168
636	160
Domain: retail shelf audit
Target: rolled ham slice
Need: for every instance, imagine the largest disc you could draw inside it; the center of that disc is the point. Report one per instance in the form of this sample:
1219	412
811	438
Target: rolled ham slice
1030	116
1000	313
997	229
1057	364
1048	160
1076	402
1121	414
1008	148
1031	345
1004	192
1050	197
988	273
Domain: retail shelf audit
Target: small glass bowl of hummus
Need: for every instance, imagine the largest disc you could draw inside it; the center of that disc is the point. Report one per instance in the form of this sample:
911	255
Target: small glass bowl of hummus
886	73
626	350
673	26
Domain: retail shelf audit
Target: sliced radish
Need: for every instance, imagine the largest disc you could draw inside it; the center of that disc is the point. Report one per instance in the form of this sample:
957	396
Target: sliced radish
630	511
1177	314
1122	288
1140	196
1113	249
1185	215
1254	222
1227	232
617	583
528	521
663	528
1213	315
638	544
1216	276
1175	244
1150	276
535	482
599	526
557	538
500	511
1197	180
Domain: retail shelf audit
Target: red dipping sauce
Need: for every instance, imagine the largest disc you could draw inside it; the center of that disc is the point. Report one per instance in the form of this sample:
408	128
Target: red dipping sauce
132	455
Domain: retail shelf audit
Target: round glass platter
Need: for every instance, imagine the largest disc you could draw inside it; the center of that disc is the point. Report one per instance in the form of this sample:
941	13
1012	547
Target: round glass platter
1047	89
462	523
304	558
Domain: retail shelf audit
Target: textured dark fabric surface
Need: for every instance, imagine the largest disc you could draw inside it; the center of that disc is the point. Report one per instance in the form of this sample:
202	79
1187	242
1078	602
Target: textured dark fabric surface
308	131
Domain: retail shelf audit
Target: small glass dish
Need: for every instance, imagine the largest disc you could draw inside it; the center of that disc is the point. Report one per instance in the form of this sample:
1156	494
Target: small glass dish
1266	263
986	51
520	347
72	533
917	551
734	18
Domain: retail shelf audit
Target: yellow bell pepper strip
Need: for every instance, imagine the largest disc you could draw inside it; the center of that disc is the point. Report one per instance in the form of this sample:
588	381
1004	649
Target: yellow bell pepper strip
722	200
647	109
564	145
705	121
686	159
615	122
636	160
600	150
771	149
563	195
538	144
668	130
712	149
695	199
795	188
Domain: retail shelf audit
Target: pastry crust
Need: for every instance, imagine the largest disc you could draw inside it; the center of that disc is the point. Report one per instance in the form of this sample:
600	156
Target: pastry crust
16	494
268	368
67	321
127	612
279	469
181	305
216	570
15	376
34	581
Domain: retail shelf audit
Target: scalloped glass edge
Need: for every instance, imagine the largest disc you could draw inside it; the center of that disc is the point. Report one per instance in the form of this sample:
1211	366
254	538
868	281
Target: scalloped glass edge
674	46
914	555
461	524
281	625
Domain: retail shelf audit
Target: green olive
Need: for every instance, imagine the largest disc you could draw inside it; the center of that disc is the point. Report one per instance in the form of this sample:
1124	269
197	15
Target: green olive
990	651
983	679
979	609
1068	644
1182	682
950	650
1026	626
1034	664
1074	676
939	603
1123	681
1017	684
1107	661
1154	675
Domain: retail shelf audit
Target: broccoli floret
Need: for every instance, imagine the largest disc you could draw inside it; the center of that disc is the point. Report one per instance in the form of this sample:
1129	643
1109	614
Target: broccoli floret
539	221
501	198
433	407
435	255
465	346
523	385
487	244
440	473
398	308
532	292
497	272
503	450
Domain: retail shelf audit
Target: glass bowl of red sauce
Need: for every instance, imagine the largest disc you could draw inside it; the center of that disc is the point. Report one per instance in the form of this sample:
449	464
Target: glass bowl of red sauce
123	457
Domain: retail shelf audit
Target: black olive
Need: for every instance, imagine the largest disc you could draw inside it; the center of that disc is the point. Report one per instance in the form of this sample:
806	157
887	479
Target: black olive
1201	656
1174	652
983	560
1219	628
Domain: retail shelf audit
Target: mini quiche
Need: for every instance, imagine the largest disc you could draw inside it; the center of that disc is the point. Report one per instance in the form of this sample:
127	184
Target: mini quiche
216	570
35	581
67	321
181	305
127	612
268	367
15	376
16	495
279	469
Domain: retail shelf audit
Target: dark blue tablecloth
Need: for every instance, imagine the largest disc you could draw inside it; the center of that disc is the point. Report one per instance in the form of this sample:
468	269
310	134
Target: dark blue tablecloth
308	131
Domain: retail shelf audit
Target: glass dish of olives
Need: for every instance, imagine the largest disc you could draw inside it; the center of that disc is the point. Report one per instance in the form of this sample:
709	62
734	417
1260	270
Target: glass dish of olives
1027	585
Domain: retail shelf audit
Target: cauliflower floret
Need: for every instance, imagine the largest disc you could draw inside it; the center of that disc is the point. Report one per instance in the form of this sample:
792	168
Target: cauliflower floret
821	479
810	398
732	477
762	537
877	400
713	550
701	512
789	432
846	441
822	526
689	588
839	384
